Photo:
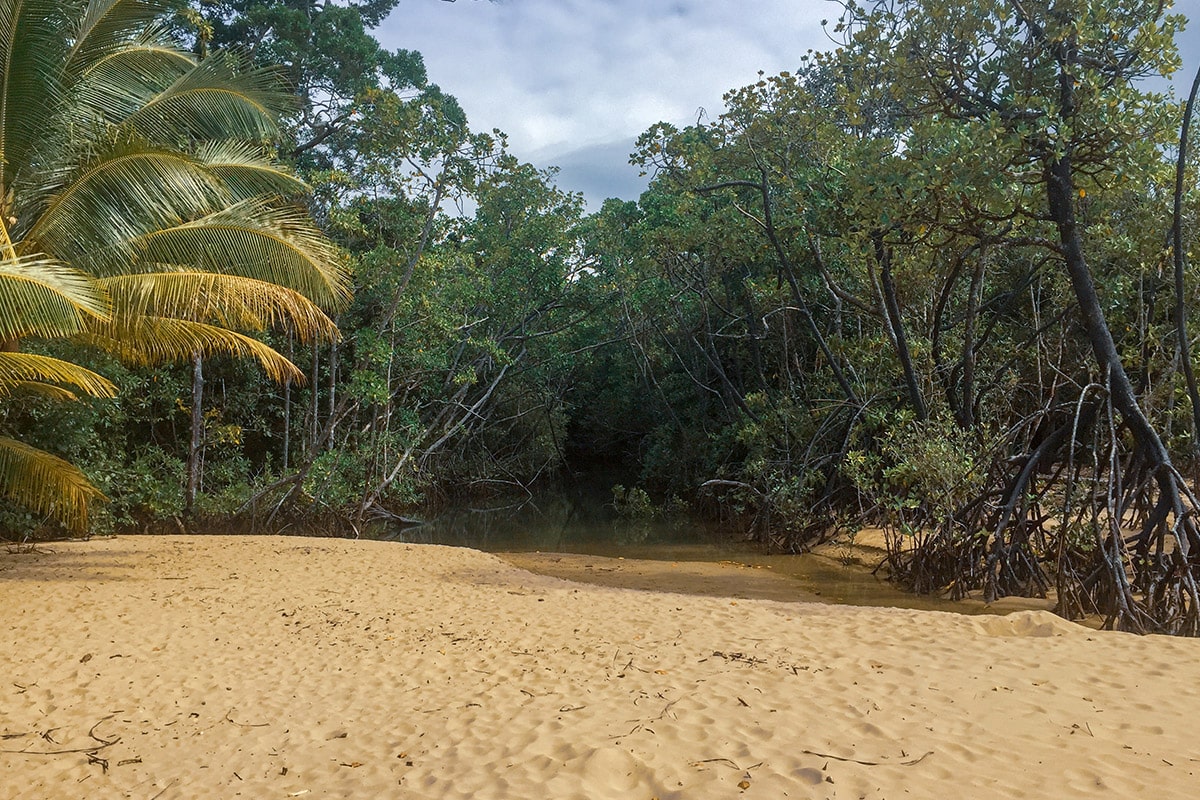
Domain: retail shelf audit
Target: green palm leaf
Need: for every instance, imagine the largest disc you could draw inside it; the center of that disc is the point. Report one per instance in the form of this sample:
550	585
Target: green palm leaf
259	240
148	341
18	368
107	26
115	86
230	301
246	171
31	50
41	297
216	99
142	68
46	484
45	390
125	190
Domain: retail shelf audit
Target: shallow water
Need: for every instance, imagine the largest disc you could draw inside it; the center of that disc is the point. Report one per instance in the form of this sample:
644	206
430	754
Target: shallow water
557	523
579	524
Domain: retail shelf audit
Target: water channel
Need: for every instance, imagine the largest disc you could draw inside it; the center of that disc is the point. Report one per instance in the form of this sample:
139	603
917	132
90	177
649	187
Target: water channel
578	536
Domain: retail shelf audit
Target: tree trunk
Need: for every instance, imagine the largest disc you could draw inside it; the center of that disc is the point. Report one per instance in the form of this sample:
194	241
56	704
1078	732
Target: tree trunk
1150	449
1061	194
287	410
333	376
314	422
891	308
196	450
967	405
1181	333
1060	187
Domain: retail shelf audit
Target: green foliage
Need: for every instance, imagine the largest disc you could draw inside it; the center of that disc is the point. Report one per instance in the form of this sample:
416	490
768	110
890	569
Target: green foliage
916	472
635	504
146	489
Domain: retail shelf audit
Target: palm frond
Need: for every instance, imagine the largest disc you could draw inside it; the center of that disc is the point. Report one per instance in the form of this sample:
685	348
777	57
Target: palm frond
148	341
31	49
45	390
247	171
43	297
106	26
216	99
116	85
258	240
230	301
19	368
45	484
126	189
122	161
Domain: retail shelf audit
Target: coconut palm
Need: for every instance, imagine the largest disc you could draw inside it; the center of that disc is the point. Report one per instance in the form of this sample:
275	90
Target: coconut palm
139	212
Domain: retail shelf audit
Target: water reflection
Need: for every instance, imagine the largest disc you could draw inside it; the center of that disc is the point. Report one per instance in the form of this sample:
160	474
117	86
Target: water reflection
560	522
581	523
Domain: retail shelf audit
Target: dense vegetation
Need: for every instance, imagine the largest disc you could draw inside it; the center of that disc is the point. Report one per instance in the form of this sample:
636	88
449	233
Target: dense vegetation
936	280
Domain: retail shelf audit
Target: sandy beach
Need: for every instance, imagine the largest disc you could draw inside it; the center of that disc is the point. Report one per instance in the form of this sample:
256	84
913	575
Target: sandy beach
277	667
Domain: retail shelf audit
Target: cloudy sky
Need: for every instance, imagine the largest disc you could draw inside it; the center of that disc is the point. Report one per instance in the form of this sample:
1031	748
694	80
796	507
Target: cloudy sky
574	82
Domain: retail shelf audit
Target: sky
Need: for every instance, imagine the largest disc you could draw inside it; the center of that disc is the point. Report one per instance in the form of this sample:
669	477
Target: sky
574	82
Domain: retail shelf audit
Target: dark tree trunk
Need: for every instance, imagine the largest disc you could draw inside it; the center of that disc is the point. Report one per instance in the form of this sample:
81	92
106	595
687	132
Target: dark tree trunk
891	306
1060	187
967	404
196	450
1061	194
1185	347
314	406
1150	455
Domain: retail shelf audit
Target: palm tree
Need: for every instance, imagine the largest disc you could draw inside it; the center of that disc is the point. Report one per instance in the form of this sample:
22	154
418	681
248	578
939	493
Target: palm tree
140	212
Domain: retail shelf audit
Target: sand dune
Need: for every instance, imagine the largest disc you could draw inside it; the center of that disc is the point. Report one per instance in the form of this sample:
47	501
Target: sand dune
272	667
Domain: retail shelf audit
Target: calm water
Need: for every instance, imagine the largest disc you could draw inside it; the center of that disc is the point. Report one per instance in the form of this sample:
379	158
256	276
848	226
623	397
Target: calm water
561	523
579	523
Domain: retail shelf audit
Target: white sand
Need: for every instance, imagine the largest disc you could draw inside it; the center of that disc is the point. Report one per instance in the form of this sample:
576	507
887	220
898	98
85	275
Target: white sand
273	667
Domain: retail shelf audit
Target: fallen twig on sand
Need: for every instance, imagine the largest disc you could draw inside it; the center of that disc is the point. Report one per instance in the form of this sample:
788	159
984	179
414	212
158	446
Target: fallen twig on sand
728	761
27	548
229	719
742	657
869	763
103	742
91	749
641	725
164	789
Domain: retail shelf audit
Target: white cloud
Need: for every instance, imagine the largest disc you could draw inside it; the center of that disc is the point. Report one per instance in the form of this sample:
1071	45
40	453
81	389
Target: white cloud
563	77
570	80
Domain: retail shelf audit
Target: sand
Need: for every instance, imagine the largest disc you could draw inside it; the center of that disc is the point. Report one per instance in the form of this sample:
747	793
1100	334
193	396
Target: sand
274	667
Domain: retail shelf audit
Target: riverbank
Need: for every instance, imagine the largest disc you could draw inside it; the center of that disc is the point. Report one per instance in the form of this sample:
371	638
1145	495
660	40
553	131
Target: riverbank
177	667
816	577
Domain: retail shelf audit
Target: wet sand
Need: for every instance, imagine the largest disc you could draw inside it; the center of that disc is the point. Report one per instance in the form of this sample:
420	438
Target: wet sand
818	577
